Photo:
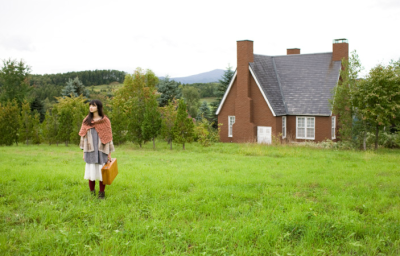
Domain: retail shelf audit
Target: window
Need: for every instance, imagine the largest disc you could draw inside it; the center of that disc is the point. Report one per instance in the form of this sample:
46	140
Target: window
283	127
305	128
231	121
333	127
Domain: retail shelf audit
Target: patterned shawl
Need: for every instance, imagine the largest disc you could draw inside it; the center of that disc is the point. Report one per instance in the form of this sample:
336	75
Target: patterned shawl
102	126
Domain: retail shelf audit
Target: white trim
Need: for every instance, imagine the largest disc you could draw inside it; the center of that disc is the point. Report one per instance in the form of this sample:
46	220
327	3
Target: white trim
262	92
305	128
333	123
226	94
230	128
284	127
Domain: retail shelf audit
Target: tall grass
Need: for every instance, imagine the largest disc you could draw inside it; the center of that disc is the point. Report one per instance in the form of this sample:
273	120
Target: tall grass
228	199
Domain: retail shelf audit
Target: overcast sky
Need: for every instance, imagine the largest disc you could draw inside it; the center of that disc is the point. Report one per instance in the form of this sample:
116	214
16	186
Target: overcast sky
181	38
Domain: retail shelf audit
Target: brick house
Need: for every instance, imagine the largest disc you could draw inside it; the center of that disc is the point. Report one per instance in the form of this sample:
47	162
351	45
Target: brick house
284	95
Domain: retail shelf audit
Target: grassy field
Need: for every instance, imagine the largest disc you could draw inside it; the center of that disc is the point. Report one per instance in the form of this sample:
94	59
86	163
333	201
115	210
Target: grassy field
228	199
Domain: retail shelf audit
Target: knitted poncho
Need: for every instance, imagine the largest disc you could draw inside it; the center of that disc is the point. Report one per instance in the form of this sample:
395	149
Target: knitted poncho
103	128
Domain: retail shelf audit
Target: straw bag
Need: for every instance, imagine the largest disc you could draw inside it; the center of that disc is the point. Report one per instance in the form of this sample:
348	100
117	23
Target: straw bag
109	171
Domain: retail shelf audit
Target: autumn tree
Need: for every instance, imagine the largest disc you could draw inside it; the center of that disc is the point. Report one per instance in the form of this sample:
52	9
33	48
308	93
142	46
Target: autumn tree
9	123
183	127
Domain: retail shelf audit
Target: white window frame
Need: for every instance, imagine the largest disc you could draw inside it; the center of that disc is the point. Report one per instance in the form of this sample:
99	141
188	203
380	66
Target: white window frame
284	127
306	118
333	127
230	125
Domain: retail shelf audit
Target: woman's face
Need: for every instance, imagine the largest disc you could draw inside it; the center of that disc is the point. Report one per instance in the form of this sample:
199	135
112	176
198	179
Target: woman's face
92	108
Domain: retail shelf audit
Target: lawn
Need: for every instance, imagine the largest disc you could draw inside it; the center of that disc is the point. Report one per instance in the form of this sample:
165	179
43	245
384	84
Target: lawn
228	199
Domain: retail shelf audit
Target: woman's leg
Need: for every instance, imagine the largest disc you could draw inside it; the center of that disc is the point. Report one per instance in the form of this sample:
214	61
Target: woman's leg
101	192
92	185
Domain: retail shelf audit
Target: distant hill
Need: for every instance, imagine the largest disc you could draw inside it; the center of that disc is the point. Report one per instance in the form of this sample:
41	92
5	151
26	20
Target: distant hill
206	77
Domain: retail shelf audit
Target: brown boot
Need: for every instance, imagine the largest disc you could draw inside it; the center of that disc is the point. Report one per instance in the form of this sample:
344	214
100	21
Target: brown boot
93	192
102	195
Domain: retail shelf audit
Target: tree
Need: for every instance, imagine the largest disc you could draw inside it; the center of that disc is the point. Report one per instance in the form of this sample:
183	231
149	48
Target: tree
9	123
75	87
168	114
183	127
71	112
223	86
132	97
50	126
169	90
377	98
151	124
26	123
342	103
39	107
204	112
36	128
14	80
192	98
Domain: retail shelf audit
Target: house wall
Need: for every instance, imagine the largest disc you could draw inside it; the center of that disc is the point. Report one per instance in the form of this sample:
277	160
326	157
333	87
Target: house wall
228	109
322	128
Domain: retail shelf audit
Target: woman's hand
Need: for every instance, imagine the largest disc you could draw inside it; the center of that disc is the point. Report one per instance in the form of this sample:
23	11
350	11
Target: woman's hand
109	157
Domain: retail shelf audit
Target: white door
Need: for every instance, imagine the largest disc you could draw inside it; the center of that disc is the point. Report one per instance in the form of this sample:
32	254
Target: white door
264	134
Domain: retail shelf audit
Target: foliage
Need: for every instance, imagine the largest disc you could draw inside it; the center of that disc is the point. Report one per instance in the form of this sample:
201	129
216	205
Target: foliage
204	112
75	87
168	114
70	113
169	90
151	124
14	80
183	127
223	86
206	90
88	77
131	99
204	132
9	122
25	123
342	103
50	126
192	98
39	107
377	98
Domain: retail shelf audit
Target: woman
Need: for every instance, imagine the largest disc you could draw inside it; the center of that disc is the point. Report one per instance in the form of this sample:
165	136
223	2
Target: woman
97	145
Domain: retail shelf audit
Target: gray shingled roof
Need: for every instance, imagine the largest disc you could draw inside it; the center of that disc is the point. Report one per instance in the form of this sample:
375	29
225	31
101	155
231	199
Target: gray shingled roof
299	84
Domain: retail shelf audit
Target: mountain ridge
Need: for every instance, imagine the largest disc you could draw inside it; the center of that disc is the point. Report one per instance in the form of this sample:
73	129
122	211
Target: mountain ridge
205	77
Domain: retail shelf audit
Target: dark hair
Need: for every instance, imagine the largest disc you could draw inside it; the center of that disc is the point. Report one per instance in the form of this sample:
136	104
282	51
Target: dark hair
99	105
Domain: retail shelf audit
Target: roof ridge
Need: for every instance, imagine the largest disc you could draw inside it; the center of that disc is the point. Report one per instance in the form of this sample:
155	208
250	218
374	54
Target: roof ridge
279	83
293	54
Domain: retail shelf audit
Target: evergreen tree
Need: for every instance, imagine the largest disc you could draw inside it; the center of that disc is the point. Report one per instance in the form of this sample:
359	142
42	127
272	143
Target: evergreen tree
204	111
75	87
151	124
223	86
39	107
14	80
36	128
183	128
9	123
168	114
169	90
26	123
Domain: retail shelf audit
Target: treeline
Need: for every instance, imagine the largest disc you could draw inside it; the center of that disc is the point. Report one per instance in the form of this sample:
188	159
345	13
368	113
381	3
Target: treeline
134	112
88	78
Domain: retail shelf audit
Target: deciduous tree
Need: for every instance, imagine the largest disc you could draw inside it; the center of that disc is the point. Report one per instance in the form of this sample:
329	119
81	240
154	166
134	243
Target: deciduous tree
168	114
183	127
192	100
9	123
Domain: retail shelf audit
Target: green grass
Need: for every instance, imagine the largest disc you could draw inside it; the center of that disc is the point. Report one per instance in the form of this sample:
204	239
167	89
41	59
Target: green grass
228	199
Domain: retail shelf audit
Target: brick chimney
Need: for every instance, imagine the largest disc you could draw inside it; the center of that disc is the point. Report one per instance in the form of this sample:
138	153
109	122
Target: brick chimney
340	49
244	129
292	51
